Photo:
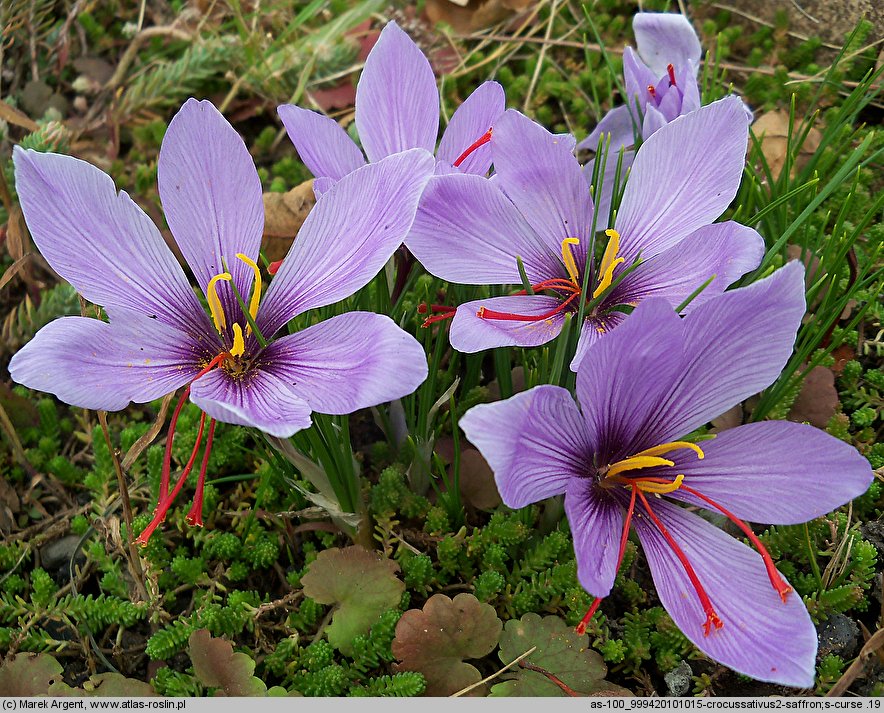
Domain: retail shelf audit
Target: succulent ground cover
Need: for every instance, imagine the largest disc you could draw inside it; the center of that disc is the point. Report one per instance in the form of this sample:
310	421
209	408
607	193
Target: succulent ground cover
371	554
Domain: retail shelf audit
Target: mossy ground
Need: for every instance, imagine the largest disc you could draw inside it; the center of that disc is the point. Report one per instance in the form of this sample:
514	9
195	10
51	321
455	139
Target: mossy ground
67	584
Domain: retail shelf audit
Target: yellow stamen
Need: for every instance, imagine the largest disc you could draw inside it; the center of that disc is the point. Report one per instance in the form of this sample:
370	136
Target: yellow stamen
649	486
215	302
636	463
568	258
665	448
256	288
609	262
239	344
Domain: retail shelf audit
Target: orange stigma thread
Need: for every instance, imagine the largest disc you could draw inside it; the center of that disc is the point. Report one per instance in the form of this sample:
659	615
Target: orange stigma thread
481	141
652	91
712	619
274	266
670	70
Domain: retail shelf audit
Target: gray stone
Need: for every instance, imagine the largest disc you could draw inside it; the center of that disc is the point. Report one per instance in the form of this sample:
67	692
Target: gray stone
839	635
59	552
678	680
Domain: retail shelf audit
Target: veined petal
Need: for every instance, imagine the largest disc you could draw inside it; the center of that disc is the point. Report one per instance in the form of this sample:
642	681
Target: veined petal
652	122
467	231
595	328
544	181
471	333
761	636
211	195
619	124
469	122
321	186
684	176
101	241
775	472
637	77
397	102
726	250
259	398
596	522
625	375
322	144
535	443
350	233
734	346
348	362
665	38
98	365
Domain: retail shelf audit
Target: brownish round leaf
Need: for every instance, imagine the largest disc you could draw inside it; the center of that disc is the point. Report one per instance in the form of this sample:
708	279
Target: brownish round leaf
435	641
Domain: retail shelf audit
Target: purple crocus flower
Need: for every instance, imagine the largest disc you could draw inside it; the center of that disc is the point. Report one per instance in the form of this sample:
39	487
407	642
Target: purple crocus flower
648	385
538	207
397	108
160	338
661	84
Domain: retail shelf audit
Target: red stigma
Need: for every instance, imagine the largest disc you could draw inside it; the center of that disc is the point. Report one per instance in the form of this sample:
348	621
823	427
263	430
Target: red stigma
670	70
274	266
776	579
712	619
481	141
166	498
485	313
195	516
652	91
446	311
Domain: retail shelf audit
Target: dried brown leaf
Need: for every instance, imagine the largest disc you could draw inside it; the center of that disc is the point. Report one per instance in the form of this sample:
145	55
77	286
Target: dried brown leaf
772	129
818	399
29	674
284	214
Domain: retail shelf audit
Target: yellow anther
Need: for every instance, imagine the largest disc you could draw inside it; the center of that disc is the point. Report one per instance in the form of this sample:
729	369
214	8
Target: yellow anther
239	344
649	486
215	302
665	448
636	463
609	262
256	288
568	258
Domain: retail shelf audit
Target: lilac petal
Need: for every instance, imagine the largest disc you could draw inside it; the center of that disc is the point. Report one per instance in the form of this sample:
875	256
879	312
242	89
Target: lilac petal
259	398
596	522
761	636
726	251
652	122
637	78
534	442
350	233
211	195
686	77
734	345
348	362
665	38
101	241
594	329
543	179
95	365
471	333
625	375
469	123
467	231
770	472
618	123
321	186
397	102
684	176
670	103
609	182
322	144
